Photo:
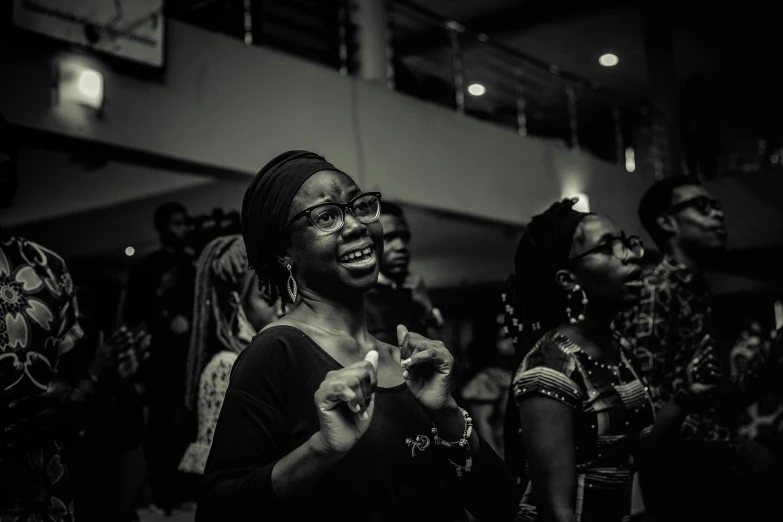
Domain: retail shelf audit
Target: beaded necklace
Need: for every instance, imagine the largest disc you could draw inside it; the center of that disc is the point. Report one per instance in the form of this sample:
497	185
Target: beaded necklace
615	370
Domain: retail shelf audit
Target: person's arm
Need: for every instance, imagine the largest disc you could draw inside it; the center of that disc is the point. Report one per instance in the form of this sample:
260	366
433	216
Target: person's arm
483	482
548	400
548	436
487	489
699	374
755	368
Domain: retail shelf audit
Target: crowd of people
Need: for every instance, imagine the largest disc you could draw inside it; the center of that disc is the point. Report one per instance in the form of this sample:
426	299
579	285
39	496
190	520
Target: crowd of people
296	369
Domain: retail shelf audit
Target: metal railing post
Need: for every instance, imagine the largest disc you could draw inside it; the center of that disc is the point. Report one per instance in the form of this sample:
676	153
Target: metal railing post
457	68
573	122
342	36
390	72
618	136
519	94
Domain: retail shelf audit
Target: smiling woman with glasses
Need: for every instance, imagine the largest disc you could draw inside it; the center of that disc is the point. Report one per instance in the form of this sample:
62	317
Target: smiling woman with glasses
321	421
581	415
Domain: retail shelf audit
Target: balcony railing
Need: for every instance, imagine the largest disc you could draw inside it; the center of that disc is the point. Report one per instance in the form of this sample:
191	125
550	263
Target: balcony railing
444	62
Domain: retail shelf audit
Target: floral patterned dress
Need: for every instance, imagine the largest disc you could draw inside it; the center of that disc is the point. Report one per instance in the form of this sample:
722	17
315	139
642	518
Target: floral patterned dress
211	392
38	324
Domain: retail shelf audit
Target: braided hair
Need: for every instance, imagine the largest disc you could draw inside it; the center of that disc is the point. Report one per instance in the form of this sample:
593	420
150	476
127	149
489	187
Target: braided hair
534	303
218	315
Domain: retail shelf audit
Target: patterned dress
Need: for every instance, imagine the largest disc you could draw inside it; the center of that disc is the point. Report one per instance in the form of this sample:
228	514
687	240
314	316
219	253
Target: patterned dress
613	411
211	392
38	324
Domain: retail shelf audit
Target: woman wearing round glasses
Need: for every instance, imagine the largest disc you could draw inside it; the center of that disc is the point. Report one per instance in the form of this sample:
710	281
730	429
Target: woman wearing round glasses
581	409
322	421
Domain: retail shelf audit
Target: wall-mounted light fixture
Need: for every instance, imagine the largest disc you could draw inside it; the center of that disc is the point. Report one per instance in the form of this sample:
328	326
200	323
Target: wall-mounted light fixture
78	83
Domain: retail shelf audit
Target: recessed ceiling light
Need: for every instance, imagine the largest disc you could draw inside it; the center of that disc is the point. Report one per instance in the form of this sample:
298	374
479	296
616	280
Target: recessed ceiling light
609	60
476	89
130	251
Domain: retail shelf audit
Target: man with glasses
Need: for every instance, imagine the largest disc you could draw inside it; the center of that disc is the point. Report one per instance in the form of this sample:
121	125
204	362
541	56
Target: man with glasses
671	324
400	297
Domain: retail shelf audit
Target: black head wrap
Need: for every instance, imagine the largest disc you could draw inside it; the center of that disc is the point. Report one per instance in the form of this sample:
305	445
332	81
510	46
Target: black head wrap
268	200
552	236
533	301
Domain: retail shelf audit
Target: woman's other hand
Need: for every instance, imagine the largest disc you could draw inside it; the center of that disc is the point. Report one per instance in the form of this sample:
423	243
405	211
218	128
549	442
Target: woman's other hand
427	367
346	402
107	353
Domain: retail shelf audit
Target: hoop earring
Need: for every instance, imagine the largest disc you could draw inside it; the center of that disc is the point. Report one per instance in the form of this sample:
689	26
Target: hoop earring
291	284
581	316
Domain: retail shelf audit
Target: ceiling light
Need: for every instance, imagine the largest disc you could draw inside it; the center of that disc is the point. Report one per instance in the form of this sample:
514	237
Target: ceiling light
476	89
130	251
609	60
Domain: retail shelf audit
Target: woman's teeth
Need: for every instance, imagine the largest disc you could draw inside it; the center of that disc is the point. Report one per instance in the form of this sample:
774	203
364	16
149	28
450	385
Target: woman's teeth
358	255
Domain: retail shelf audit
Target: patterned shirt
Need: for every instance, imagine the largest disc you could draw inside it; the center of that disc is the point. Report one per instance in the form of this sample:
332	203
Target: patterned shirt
211	392
665	330
38	324
613	411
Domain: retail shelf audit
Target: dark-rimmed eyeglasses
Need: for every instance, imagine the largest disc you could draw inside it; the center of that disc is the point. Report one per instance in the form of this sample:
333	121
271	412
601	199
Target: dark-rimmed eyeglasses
330	217
618	246
703	204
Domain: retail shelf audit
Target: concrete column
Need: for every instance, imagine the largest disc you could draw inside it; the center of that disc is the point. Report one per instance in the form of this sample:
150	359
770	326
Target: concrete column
373	39
664	90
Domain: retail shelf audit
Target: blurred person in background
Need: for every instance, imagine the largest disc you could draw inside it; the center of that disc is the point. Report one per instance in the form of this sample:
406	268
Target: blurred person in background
48	384
116	423
670	324
399	297
229	309
485	394
159	299
762	420
586	416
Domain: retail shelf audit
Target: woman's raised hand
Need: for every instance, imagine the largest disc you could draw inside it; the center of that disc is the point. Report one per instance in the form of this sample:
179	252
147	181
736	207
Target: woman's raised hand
346	402
426	368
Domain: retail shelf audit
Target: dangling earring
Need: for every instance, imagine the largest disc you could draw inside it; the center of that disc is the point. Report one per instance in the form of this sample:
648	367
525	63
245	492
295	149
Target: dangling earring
581	317
291	284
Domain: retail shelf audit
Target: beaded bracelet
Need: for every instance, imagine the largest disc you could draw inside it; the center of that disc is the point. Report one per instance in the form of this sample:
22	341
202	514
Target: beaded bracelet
465	434
463	442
